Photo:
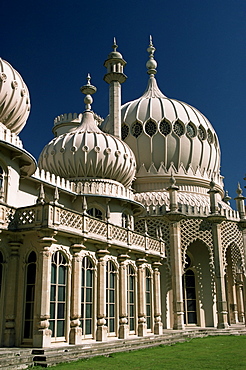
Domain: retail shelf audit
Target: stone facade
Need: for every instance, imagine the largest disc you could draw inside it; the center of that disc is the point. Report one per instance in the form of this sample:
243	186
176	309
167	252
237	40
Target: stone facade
84	257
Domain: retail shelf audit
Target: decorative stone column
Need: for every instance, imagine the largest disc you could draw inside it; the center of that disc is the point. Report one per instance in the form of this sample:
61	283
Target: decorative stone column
142	325
243	225
124	327
174	217
176	266
102	329
75	336
42	335
12	298
239	293
158	326
215	218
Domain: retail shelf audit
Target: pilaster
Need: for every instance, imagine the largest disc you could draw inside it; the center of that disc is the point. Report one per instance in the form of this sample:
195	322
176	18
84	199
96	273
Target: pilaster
142	325
102	329
42	335
176	265
75	335
12	297
158	326
219	273
124	327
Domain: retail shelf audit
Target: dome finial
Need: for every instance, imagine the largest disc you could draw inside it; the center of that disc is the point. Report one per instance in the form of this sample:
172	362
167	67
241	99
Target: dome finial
115	46
151	64
88	90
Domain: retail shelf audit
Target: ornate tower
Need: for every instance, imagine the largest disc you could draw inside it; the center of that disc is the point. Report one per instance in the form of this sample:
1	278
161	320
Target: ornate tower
115	77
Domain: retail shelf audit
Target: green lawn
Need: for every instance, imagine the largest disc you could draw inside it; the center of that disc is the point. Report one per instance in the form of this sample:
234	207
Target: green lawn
219	352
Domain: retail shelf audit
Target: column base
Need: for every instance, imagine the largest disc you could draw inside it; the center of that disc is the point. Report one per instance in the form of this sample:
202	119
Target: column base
123	331
75	336
158	328
102	333
42	338
9	337
142	329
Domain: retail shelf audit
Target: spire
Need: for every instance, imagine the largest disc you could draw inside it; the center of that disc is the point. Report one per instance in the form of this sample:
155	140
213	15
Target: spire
151	64
115	46
88	90
88	122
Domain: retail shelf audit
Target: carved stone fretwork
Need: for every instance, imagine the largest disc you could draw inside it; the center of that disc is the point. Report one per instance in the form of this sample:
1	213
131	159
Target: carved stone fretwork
158	326
231	235
142	325
124	327
101	332
197	229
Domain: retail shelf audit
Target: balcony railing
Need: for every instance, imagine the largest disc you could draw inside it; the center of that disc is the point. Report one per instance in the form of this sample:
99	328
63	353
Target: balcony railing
61	219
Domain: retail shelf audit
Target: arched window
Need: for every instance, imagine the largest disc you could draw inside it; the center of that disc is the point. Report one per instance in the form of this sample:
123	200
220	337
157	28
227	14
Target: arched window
58	295
87	301
95	212
148	295
131	304
189	294
124	220
111	297
30	295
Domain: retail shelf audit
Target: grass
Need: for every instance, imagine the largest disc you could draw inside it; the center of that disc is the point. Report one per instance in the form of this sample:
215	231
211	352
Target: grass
214	352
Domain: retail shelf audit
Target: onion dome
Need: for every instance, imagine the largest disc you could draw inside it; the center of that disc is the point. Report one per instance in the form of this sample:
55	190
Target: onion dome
87	152
14	98
168	136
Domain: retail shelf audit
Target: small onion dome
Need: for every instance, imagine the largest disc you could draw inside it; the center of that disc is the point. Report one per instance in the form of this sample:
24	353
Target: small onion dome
87	152
14	98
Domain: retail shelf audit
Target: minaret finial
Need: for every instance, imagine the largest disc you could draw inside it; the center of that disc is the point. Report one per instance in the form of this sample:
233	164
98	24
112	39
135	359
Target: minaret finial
151	64
115	46
88	90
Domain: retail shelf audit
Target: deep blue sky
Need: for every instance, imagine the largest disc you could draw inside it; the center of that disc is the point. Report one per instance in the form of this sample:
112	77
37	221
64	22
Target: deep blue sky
200	50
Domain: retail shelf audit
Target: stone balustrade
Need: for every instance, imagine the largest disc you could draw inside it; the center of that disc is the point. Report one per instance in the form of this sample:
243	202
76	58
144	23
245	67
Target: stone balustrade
60	219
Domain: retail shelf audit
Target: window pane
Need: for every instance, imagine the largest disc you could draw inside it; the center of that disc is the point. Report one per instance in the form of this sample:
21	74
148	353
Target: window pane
111	325
30	290
88	327
60	328
89	278
88	310
53	273
52	326
52	310
88	295
61	310
111	310
62	275
53	293
112	281
61	293
31	273
111	296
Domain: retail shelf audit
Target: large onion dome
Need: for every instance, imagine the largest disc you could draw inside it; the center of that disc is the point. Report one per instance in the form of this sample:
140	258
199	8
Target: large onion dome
14	98
168	136
87	152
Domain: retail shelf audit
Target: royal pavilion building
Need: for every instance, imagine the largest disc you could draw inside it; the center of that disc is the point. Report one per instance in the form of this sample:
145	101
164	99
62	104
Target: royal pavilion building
123	228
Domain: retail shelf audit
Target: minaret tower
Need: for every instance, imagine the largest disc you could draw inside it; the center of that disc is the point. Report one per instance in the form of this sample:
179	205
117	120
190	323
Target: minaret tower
115	77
